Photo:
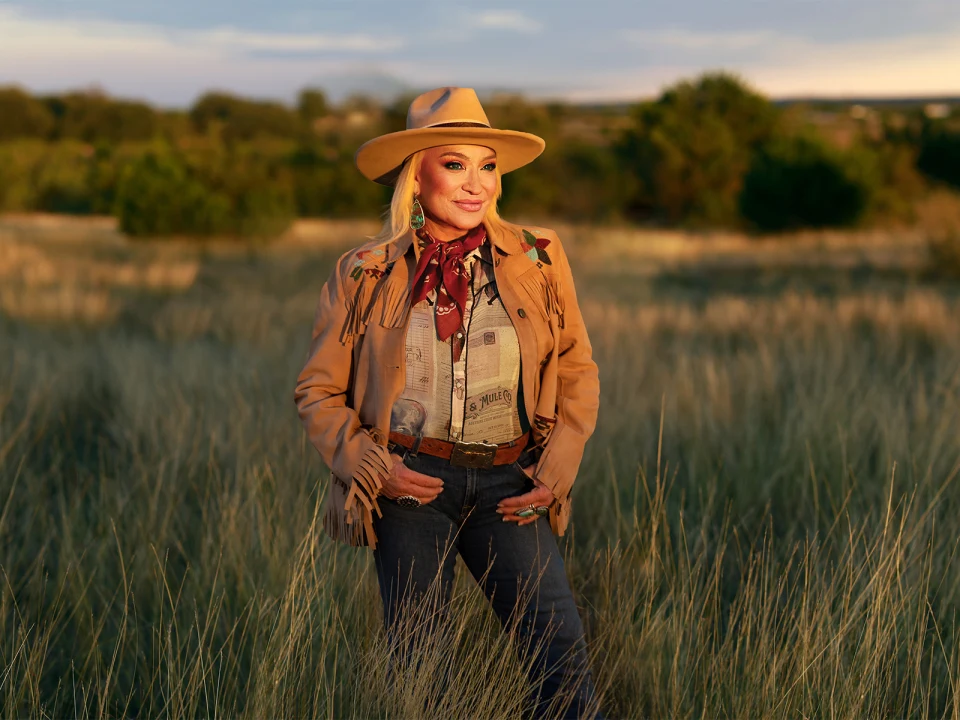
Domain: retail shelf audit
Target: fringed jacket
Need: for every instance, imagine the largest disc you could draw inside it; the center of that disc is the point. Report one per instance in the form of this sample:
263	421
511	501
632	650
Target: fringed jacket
355	368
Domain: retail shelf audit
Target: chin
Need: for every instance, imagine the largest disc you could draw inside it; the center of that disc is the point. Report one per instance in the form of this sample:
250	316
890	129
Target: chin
466	220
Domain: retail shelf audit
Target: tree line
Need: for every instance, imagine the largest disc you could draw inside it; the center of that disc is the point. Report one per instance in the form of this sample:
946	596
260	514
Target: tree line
709	152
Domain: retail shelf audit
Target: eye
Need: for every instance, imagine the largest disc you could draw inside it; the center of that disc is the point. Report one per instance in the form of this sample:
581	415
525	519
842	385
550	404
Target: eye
490	166
453	165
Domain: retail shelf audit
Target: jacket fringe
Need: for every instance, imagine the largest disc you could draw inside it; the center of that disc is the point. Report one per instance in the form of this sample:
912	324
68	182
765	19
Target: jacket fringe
357	305
546	292
554	299
395	306
353	524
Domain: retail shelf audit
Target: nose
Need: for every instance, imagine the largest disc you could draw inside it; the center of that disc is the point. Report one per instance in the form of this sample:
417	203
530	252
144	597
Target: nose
471	183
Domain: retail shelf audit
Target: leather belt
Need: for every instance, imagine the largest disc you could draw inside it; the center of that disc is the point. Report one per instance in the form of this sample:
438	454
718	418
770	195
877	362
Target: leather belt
465	454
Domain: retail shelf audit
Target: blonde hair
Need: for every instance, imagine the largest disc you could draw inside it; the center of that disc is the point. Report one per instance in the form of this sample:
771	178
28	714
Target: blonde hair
396	219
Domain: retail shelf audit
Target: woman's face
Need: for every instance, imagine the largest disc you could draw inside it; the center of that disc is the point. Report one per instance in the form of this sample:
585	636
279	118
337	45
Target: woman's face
456	184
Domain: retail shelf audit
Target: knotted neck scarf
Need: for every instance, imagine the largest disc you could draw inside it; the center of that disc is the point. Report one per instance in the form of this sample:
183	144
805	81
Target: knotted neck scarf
441	268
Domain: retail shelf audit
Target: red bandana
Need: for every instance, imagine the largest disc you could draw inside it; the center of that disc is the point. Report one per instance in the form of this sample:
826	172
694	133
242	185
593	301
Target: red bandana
441	268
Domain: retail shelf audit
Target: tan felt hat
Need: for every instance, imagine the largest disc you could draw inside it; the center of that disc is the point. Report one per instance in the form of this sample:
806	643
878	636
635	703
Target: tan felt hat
445	116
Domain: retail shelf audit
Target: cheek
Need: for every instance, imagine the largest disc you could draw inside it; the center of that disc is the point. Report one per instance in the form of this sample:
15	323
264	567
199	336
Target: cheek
436	188
489	182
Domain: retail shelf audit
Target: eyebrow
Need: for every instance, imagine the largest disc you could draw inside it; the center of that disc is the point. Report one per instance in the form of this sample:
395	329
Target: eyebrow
492	156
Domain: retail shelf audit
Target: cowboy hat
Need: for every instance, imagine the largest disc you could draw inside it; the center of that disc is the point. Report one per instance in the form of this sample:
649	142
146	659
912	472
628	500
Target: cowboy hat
445	116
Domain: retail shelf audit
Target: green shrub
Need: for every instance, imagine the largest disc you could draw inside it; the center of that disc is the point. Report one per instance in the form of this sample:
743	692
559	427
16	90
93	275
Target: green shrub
689	150
940	156
264	210
157	196
800	182
241	119
60	178
328	185
22	116
95	117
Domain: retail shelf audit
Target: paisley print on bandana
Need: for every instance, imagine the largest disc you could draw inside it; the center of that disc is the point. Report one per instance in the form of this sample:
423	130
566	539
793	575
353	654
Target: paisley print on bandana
440	268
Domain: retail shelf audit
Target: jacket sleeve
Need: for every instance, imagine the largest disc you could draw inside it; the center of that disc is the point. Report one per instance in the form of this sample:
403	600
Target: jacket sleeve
353	452
578	391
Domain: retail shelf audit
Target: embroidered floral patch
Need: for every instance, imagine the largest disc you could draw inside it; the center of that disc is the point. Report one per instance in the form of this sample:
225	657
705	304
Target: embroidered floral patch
537	247
368	262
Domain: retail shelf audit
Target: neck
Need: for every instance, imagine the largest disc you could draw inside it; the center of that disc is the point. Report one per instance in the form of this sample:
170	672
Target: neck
442	232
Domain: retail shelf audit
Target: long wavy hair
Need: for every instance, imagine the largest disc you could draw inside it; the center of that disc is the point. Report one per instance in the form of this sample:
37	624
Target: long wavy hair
396	219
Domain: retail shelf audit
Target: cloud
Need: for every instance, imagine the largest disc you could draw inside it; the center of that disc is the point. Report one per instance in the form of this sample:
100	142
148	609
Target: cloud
171	66
507	20
35	37
784	65
679	39
238	40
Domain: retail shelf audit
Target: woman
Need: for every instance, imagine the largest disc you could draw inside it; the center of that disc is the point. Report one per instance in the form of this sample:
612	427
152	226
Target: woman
451	390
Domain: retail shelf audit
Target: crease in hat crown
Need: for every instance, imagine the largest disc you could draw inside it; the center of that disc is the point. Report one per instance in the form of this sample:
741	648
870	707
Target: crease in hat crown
444	116
444	106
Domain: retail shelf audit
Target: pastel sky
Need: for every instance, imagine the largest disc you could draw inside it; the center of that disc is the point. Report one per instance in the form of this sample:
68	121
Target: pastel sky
169	51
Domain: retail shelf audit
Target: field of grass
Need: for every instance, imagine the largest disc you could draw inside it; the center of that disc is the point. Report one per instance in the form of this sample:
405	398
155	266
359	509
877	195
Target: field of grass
766	523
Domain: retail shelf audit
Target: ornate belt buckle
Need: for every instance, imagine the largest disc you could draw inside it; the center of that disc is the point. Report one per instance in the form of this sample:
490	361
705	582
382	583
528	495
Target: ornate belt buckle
473	454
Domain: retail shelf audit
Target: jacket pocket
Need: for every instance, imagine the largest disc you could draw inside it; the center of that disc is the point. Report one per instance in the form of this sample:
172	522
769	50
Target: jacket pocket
534	284
545	291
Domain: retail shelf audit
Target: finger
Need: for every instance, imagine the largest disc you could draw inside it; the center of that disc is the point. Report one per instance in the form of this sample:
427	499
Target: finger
517	501
426	482
521	520
537	496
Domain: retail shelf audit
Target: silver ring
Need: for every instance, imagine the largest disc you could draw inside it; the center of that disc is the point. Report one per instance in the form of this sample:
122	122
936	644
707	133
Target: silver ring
541	510
526	512
408	501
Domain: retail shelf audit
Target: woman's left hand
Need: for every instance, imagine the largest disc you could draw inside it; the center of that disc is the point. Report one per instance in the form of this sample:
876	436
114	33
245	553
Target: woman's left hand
540	496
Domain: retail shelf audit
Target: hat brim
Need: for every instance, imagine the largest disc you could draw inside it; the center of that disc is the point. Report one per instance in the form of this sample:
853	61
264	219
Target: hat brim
381	158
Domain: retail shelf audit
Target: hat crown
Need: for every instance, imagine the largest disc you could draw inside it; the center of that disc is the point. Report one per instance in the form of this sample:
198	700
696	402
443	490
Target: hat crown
444	106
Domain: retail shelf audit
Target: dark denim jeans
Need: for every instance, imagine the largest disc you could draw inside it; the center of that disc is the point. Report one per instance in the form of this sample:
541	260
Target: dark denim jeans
520	570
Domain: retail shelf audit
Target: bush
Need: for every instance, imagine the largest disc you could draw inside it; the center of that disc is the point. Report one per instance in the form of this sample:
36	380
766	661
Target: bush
241	119
328	185
94	117
156	196
800	182
264	210
160	195
689	150
22	116
940	156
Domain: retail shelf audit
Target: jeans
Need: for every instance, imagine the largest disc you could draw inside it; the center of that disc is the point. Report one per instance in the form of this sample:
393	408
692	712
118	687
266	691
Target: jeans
519	568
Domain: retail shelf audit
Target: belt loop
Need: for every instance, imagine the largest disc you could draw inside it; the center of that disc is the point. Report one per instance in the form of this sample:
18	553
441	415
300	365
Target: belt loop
416	446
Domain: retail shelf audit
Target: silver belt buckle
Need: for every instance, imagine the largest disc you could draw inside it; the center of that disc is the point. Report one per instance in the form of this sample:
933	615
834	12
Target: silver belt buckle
473	454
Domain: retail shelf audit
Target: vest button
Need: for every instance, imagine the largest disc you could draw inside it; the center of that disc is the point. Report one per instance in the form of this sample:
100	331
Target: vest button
521	313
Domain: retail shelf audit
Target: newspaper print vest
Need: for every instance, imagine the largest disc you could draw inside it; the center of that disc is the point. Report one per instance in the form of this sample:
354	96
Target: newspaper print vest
475	398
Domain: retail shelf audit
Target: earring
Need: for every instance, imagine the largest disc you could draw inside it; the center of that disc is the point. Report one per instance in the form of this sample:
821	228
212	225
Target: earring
416	214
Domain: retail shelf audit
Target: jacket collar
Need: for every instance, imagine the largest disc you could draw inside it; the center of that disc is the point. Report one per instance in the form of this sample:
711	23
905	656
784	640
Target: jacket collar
506	242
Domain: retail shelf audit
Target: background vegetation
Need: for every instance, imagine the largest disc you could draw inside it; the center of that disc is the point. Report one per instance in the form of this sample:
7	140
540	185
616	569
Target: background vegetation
707	153
765	523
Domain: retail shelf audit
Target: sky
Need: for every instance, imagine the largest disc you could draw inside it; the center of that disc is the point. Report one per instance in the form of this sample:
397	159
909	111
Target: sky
170	51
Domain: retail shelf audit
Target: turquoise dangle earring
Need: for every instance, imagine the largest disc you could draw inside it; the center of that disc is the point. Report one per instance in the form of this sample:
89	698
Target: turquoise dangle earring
416	214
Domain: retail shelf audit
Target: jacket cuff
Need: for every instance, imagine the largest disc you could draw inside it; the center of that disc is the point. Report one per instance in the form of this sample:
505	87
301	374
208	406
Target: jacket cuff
367	482
559	463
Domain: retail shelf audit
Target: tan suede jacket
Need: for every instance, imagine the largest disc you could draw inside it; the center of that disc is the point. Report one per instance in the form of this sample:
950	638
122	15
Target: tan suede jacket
355	368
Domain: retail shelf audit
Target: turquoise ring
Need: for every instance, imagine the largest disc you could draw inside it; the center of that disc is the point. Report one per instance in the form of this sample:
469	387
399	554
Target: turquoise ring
526	512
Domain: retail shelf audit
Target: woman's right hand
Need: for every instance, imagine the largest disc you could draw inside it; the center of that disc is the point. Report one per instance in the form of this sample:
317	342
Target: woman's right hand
404	481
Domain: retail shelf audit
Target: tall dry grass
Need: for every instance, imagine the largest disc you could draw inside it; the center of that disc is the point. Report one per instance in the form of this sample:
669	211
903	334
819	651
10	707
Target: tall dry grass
766	522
